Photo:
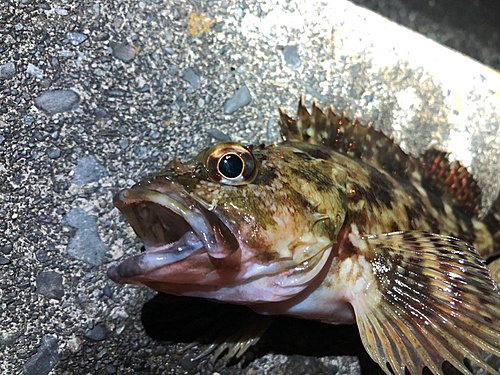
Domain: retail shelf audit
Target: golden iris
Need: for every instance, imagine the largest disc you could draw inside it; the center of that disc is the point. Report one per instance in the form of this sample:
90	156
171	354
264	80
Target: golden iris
231	164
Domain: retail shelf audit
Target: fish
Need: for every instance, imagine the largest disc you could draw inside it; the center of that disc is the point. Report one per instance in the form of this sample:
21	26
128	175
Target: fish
335	224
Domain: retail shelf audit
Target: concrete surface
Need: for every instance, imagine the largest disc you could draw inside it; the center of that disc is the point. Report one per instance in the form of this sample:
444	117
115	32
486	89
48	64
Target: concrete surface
468	26
96	94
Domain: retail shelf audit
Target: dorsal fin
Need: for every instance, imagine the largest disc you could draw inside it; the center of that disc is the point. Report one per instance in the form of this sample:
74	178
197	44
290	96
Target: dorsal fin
451	181
345	136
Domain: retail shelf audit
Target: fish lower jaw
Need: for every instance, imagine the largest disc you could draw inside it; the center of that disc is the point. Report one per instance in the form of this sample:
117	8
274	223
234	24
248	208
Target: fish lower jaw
156	257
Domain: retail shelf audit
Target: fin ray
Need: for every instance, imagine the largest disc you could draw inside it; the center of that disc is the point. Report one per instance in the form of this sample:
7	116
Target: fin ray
435	302
456	336
452	179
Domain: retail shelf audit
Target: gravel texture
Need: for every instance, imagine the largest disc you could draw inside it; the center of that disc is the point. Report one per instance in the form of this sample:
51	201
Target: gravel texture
95	95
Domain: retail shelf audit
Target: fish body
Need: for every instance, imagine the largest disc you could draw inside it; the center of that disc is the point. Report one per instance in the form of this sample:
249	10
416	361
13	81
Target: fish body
335	224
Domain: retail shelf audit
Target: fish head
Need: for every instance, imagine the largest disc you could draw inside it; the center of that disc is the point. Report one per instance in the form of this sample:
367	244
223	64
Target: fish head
234	224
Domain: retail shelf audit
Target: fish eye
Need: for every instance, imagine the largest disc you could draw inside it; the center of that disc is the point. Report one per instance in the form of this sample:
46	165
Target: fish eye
231	164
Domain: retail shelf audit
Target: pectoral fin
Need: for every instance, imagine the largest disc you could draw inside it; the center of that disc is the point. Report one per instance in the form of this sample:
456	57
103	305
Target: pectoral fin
435	301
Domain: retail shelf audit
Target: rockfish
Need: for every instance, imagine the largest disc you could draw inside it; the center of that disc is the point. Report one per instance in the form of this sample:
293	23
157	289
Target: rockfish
335	224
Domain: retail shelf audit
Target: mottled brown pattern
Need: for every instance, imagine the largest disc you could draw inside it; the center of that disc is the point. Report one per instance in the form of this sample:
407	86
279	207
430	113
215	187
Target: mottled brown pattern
390	203
400	193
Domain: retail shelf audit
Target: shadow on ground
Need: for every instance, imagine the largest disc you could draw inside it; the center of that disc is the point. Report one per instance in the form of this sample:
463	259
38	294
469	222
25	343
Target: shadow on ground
184	319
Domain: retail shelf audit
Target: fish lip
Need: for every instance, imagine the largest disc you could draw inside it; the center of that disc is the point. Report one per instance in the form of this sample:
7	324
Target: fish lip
172	225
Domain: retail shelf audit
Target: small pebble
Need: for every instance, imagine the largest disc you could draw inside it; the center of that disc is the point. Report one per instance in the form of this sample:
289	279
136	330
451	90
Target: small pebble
140	151
98	333
173	70
85	245
107	291
7	249
45	358
355	69
50	284
240	98
144	88
53	153
123	52
29	120
8	70
160	350
100	113
54	62
123	143
292	57
117	93
369	98
42	256
66	53
218	135
188	364
58	101
76	38
316	94
88	170
34	71
118	22
190	76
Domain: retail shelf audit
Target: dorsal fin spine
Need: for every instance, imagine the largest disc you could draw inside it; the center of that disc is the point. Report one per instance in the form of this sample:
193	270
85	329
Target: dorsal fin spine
432	169
302	111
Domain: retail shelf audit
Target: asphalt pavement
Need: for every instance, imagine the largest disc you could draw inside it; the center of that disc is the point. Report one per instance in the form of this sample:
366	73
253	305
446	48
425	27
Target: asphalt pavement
95	95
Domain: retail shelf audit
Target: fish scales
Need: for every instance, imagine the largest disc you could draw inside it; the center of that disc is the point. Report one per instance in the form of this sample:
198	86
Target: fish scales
335	224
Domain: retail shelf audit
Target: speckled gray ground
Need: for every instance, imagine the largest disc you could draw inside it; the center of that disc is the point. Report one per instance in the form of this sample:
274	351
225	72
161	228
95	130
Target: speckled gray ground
96	94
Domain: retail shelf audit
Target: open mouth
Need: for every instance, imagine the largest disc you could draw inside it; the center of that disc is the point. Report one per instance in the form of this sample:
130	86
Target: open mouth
172	226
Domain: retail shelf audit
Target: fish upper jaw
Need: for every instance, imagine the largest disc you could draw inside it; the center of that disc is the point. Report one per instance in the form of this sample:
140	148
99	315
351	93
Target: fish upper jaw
173	226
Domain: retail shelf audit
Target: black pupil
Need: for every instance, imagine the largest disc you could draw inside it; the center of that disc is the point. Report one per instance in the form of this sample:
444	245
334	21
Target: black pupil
231	166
